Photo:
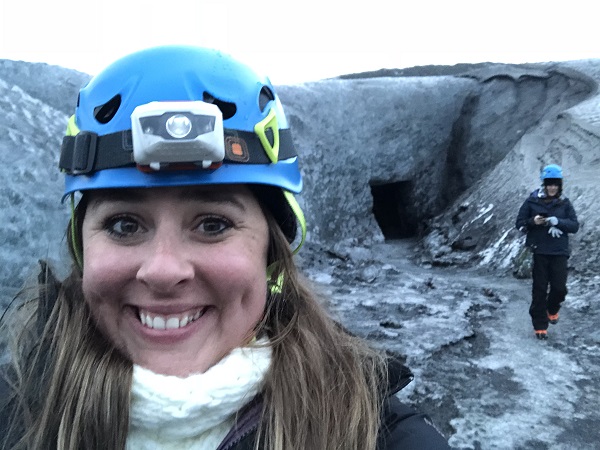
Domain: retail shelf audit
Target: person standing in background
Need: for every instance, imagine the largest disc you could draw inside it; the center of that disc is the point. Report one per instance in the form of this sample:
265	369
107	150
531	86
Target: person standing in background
548	217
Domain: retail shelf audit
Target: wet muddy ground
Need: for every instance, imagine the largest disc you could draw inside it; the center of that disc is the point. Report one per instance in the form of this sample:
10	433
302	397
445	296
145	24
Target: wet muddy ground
467	336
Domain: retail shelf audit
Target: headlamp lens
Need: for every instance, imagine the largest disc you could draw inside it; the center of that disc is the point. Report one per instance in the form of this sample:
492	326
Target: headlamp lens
177	132
178	126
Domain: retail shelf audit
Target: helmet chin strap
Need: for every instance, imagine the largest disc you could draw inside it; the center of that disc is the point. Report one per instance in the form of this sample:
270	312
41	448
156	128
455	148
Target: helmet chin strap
293	203
74	244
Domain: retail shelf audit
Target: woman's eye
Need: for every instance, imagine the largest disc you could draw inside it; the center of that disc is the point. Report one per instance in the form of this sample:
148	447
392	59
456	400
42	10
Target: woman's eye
213	225
122	226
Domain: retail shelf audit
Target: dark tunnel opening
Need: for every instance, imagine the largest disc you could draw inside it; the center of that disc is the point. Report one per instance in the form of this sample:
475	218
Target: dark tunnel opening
394	209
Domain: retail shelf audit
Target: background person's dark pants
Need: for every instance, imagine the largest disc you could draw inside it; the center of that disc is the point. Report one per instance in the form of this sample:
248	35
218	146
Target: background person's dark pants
547	270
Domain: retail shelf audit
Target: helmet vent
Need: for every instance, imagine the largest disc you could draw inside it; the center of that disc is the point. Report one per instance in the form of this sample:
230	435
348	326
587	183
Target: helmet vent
269	136
266	95
228	109
104	113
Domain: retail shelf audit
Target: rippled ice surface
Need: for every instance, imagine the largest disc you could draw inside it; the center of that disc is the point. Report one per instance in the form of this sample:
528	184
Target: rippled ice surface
467	336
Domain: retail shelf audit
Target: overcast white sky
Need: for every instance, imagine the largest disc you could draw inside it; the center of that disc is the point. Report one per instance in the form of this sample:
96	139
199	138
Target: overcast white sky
295	41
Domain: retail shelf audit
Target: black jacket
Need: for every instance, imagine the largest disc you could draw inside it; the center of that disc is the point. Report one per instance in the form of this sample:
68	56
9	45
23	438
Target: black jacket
538	238
402	427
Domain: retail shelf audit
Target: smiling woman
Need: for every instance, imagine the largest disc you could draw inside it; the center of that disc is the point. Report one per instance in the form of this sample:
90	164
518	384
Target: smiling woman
176	284
184	322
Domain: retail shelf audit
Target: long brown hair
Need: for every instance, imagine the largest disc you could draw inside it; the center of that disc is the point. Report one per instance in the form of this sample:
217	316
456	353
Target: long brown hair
71	387
324	387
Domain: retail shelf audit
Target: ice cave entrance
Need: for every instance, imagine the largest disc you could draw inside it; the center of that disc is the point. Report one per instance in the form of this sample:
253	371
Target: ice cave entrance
394	209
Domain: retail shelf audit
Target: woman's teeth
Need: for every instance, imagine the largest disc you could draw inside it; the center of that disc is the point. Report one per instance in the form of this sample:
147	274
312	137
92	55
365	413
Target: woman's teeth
170	322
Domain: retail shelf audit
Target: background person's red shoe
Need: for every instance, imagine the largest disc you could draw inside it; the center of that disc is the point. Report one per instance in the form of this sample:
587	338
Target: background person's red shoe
541	334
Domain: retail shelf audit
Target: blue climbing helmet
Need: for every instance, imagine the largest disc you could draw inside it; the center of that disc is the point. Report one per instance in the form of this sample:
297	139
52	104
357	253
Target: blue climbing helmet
183	115
551	171
552	174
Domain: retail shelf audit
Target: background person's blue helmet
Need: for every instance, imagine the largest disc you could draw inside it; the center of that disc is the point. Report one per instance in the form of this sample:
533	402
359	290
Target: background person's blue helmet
182	115
551	171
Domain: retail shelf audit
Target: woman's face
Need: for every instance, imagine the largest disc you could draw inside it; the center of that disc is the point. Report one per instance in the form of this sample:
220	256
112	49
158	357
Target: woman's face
175	277
552	190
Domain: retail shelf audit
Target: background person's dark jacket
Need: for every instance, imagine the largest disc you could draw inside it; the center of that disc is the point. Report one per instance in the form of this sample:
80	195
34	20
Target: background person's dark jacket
538	238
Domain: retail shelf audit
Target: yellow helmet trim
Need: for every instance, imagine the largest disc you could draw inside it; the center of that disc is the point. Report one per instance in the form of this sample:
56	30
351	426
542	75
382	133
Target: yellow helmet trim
72	128
260	129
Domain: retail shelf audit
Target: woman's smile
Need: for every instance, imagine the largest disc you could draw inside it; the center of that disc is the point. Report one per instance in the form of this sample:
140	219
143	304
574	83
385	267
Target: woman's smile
169	322
175	277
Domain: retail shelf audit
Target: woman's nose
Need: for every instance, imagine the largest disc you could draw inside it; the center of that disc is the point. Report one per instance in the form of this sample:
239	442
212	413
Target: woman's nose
165	265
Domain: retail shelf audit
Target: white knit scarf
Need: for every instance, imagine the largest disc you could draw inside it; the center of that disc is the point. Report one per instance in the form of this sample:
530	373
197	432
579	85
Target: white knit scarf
196	412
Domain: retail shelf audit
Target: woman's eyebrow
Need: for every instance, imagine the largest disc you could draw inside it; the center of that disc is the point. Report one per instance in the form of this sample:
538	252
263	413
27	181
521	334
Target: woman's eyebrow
211	196
193	194
116	195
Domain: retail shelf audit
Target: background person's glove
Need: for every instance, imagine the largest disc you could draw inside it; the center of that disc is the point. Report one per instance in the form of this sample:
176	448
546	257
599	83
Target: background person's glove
555	232
553	221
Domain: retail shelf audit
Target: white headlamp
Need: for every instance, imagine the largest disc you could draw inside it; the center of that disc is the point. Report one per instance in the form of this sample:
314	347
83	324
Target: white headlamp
177	132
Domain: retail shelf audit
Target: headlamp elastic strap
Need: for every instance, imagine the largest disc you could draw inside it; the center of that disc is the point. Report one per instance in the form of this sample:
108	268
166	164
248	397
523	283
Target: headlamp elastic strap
87	152
116	150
